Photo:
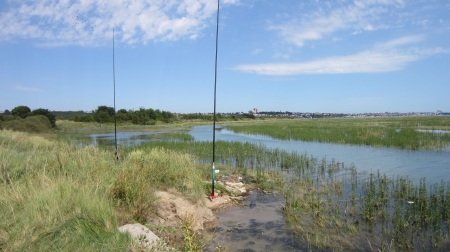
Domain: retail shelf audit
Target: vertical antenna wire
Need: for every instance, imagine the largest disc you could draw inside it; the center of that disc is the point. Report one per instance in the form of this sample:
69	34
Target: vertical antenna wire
115	119
215	88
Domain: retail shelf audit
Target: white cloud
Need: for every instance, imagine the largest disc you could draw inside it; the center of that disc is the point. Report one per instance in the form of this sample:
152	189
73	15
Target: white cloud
385	57
90	22
360	15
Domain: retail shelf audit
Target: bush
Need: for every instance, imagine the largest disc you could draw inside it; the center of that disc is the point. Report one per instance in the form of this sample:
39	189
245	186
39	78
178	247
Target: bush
104	114
51	117
85	118
36	124
21	111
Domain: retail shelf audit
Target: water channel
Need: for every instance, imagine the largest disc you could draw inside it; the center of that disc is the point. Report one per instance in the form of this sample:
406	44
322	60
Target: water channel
433	165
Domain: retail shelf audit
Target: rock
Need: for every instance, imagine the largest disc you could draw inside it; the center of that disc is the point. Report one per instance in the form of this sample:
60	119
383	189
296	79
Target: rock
237	188
141	234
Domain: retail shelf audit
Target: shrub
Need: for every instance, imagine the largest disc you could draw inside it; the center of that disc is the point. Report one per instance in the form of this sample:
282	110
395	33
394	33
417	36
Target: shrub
36	124
21	111
45	112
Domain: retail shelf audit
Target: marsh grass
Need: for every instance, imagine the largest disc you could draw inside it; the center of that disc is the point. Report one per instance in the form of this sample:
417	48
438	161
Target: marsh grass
60	197
400	132
351	212
256	163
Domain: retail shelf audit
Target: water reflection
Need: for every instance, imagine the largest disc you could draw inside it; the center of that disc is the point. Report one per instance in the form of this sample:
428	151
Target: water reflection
123	138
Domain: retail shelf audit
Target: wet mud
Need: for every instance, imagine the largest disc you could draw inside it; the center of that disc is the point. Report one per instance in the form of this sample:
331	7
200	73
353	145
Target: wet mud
257	224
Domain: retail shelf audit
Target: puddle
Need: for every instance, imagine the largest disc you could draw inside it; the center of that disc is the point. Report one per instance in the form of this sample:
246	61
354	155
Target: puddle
257	225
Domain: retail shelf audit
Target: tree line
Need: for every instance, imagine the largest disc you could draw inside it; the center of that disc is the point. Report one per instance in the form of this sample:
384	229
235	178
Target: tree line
105	114
142	116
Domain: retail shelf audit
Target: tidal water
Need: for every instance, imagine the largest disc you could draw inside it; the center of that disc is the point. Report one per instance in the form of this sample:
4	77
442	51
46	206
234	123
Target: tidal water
432	165
124	138
257	225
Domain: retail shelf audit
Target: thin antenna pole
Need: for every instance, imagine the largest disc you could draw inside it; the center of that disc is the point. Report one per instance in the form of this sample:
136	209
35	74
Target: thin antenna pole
115	119
215	88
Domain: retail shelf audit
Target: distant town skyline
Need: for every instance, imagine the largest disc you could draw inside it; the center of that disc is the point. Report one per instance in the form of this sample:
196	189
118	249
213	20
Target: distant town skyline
345	56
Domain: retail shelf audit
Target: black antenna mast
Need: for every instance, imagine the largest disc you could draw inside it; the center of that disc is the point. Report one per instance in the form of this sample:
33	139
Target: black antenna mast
116	153
214	116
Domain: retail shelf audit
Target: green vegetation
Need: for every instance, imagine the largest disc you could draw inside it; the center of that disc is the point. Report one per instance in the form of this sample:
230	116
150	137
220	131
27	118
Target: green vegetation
398	132
57	196
21	118
330	207
35	124
257	164
146	171
21	111
105	114
191	238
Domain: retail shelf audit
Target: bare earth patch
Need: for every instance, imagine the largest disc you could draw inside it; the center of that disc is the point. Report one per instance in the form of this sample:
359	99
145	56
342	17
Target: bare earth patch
173	209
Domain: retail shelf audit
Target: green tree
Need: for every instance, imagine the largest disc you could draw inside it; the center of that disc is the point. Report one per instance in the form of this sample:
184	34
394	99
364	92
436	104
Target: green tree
143	116
104	114
21	111
123	115
45	112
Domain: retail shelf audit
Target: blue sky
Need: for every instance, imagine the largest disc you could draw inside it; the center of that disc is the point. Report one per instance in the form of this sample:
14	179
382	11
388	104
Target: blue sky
310	56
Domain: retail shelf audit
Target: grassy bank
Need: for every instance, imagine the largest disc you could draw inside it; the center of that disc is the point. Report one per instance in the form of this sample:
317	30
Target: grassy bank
400	132
55	196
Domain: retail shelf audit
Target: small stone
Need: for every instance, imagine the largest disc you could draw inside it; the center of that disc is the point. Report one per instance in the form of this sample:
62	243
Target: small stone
140	233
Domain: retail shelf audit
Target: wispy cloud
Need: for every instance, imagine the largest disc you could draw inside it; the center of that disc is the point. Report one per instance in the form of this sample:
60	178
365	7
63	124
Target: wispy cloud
26	89
390	56
90	22
358	16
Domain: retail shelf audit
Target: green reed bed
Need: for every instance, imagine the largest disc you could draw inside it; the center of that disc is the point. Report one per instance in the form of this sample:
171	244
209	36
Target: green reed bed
341	210
398	132
256	161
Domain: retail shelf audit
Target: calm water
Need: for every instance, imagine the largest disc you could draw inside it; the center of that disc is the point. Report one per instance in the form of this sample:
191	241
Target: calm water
124	138
433	165
257	225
